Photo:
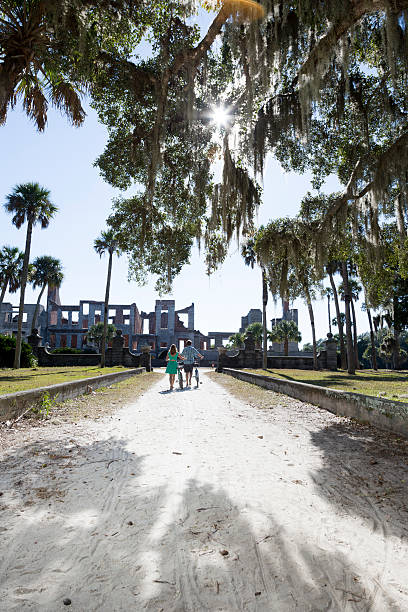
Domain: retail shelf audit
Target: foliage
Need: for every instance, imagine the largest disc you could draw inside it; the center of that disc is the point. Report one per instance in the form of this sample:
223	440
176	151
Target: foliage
237	340
47	270
50	50
256	329
284	331
45	406
29	202
387	349
66	350
95	333
107	242
11	266
7	350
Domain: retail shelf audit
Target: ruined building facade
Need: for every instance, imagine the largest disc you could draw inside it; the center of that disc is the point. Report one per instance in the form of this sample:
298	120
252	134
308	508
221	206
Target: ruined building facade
253	316
67	325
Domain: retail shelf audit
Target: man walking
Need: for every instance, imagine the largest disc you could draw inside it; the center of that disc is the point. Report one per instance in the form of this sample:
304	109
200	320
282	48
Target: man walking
189	353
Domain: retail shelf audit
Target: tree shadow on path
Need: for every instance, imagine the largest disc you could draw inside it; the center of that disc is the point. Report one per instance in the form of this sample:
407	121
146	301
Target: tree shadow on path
213	559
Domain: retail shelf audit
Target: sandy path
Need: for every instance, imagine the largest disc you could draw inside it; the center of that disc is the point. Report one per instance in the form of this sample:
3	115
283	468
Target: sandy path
131	512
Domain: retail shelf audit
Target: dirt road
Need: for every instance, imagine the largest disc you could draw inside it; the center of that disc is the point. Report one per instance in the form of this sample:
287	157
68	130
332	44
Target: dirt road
196	500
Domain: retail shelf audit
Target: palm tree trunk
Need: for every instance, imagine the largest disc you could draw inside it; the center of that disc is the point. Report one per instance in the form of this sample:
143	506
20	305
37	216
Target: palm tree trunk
339	323
37	308
3	290
264	303
372	339
105	311
351	368
312	324
286	346
24	275
355	343
396	348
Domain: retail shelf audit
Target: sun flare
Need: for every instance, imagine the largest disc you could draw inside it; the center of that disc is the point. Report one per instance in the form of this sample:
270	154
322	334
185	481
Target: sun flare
220	116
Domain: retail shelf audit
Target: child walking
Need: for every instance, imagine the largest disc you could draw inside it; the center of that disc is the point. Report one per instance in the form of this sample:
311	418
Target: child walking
171	359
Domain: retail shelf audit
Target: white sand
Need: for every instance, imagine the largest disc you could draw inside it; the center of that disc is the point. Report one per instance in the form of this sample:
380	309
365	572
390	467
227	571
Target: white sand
297	511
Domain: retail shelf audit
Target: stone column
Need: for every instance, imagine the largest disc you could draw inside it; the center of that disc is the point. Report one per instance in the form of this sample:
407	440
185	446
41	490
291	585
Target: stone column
34	340
222	358
91	315
331	352
248	354
191	317
158	319
146	360
117	348
171	322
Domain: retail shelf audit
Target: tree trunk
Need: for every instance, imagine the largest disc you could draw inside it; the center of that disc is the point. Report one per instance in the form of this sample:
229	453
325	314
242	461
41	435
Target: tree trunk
24	275
3	291
355	342
351	368
372	339
397	348
312	324
264	303
105	312
286	346
328	309
37	308
339	323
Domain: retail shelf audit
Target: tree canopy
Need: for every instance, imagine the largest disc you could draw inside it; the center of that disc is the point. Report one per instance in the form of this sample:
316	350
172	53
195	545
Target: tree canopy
321	86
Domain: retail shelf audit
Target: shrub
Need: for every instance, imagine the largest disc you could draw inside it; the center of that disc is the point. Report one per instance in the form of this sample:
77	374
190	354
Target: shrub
67	350
7	350
90	350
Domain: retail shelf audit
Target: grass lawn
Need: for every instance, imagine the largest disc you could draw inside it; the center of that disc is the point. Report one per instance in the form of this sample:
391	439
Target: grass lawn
12	381
384	383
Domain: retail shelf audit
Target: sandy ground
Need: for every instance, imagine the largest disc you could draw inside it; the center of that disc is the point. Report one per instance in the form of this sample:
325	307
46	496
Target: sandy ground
200	500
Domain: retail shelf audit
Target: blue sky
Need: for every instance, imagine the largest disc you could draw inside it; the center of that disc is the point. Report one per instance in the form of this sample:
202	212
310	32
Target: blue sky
61	159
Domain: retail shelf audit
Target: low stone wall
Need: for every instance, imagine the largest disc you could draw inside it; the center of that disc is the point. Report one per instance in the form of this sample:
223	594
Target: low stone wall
118	354
250	357
295	362
13	405
382	413
46	359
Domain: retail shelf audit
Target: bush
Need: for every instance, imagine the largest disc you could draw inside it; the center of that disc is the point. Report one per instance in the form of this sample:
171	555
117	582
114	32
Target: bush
66	350
90	350
7	350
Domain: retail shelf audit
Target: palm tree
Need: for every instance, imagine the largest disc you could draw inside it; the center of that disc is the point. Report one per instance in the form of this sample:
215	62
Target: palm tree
332	267
373	349
28	202
249	255
99	336
256	329
11	266
107	242
31	67
283	332
46	271
328	292
237	340
351	365
354	289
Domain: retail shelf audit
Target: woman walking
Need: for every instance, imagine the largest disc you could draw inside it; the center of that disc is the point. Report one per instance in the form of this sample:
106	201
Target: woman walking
171	359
